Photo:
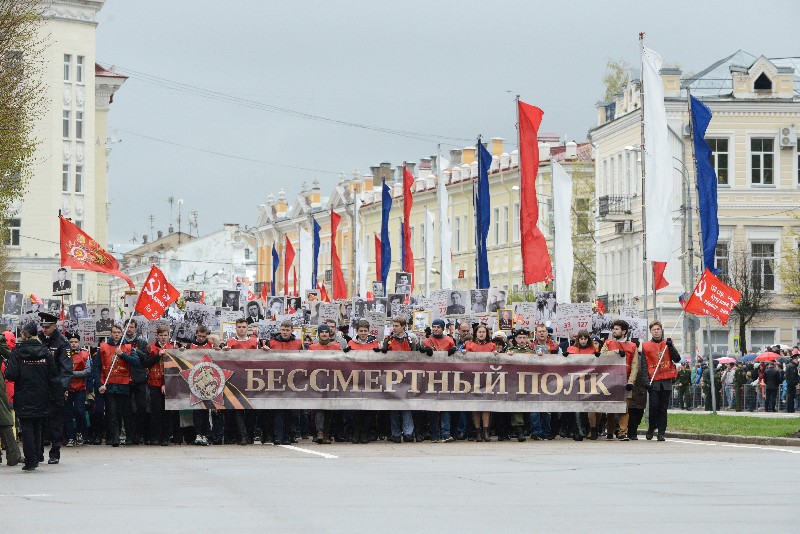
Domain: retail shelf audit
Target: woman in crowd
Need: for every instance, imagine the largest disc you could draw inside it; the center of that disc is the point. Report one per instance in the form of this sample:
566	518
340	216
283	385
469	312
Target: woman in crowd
480	342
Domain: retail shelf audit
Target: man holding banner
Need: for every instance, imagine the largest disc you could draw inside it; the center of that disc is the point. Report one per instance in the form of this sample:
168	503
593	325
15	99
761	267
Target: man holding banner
661	357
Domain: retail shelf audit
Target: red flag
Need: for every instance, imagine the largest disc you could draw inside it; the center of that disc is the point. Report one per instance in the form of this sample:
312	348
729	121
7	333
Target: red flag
250	294
294	278
202	296
156	295
323	293
659	282
80	251
408	201
536	265
288	258
264	292
377	258
339	287
712	297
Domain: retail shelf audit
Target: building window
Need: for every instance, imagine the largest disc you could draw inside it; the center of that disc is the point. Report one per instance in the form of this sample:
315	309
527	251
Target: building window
11	282
516	222
761	339
79	69
762	265
505	224
79	178
246	253
496	215
761	161
79	289
762	83
719	159
65	124
79	223
719	343
67	66
79	125
582	216
65	178
458	234
12	237
721	260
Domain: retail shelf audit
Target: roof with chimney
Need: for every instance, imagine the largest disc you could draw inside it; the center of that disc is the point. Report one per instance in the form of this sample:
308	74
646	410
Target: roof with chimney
716	81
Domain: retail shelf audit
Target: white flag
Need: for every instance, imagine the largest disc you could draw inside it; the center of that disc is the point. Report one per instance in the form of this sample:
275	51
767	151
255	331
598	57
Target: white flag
357	244
306	261
429	250
445	234
658	162
562	219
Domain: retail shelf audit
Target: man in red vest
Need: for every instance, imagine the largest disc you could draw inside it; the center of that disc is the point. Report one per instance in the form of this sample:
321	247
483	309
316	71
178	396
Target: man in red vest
362	419
200	417
438	422
244	418
154	363
285	340
115	375
75	404
661	356
400	340
323	418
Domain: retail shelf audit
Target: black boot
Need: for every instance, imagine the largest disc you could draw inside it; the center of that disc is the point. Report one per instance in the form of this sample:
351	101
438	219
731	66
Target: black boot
593	434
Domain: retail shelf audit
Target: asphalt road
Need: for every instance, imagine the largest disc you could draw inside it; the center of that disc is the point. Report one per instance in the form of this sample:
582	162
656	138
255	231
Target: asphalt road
556	486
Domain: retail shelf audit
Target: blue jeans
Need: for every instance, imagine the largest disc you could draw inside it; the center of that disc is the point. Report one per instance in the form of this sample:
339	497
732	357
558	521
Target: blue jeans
439	430
408	422
75	413
729	395
540	424
461	423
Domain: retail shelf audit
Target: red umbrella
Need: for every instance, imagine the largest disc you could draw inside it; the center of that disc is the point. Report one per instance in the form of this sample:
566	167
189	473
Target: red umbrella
767	357
726	359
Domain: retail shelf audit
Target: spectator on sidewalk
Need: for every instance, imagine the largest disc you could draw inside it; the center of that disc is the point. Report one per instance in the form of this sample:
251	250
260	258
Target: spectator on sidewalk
772	381
791	383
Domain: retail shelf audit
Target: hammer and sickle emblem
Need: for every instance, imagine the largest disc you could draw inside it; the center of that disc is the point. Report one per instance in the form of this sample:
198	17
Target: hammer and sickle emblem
150	290
701	289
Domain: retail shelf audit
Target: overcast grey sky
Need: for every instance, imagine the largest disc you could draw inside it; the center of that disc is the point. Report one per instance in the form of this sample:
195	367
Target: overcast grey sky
438	68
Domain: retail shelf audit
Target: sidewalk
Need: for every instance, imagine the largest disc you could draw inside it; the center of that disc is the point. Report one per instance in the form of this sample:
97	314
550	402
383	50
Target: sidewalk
764	415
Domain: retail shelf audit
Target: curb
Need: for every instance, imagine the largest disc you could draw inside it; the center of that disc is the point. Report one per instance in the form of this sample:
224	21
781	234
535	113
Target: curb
748	440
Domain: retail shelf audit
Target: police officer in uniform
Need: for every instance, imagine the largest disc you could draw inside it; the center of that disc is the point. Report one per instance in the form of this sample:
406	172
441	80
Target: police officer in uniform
58	345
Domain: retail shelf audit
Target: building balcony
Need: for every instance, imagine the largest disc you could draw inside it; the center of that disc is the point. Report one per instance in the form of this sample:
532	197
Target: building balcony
609	206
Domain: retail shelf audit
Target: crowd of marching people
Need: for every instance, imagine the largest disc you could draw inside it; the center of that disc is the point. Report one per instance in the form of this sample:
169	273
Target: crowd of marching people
60	395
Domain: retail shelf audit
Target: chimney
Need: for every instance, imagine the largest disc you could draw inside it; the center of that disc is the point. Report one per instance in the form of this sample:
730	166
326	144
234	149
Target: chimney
425	167
430	181
386	173
515	158
411	167
314	196
455	158
544	151
455	174
571	150
497	146
671	78
376	174
355	183
468	155
171	229
159	234
367	184
505	161
144	239
399	176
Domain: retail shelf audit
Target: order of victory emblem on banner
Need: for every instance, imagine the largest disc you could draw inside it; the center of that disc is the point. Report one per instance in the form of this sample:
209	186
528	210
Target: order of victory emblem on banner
206	381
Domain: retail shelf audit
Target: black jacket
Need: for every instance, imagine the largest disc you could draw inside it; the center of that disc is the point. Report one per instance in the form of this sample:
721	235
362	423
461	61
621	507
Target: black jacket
59	348
36	379
140	350
791	375
772	378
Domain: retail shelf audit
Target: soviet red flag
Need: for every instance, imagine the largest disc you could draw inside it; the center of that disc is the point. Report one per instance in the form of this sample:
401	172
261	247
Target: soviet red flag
712	297
156	295
80	251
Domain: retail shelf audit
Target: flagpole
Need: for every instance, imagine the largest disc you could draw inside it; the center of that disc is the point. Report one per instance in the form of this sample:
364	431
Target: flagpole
519	176
702	247
641	153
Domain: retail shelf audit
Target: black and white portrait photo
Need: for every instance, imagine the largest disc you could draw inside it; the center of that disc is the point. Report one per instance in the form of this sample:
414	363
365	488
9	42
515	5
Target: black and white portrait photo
230	299
395	302
62	281
54	306
254	314
359	308
102	326
192	296
293	304
377	290
402	283
456	303
275	306
478	299
12	303
496	300
377	305
78	312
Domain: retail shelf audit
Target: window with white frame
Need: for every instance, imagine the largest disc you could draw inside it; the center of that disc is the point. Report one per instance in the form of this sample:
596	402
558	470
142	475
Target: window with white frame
65	124
65	178
722	260
496	217
505	224
515	224
12	236
67	66
719	343
12	281
79	69
79	178
606	189
623	187
458	234
467	236
629	188
79	223
79	125
762	155
761	339
719	159
762	265
81	282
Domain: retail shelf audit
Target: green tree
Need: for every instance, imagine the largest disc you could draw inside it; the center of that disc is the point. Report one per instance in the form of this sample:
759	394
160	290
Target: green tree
744	274
615	78
789	268
22	103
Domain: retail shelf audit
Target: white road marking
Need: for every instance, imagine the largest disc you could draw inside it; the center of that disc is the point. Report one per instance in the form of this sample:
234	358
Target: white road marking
29	495
308	451
735	445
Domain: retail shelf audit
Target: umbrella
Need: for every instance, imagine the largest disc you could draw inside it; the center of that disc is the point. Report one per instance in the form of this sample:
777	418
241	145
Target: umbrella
783	359
767	357
749	358
726	359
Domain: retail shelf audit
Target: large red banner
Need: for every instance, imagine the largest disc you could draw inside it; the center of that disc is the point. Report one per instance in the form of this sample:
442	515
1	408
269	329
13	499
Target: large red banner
712	297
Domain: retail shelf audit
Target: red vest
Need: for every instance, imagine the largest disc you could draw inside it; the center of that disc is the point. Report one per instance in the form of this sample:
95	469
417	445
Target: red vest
155	375
399	345
293	344
475	346
355	345
443	343
630	351
319	346
121	372
652	351
575	349
206	345
79	360
249	343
